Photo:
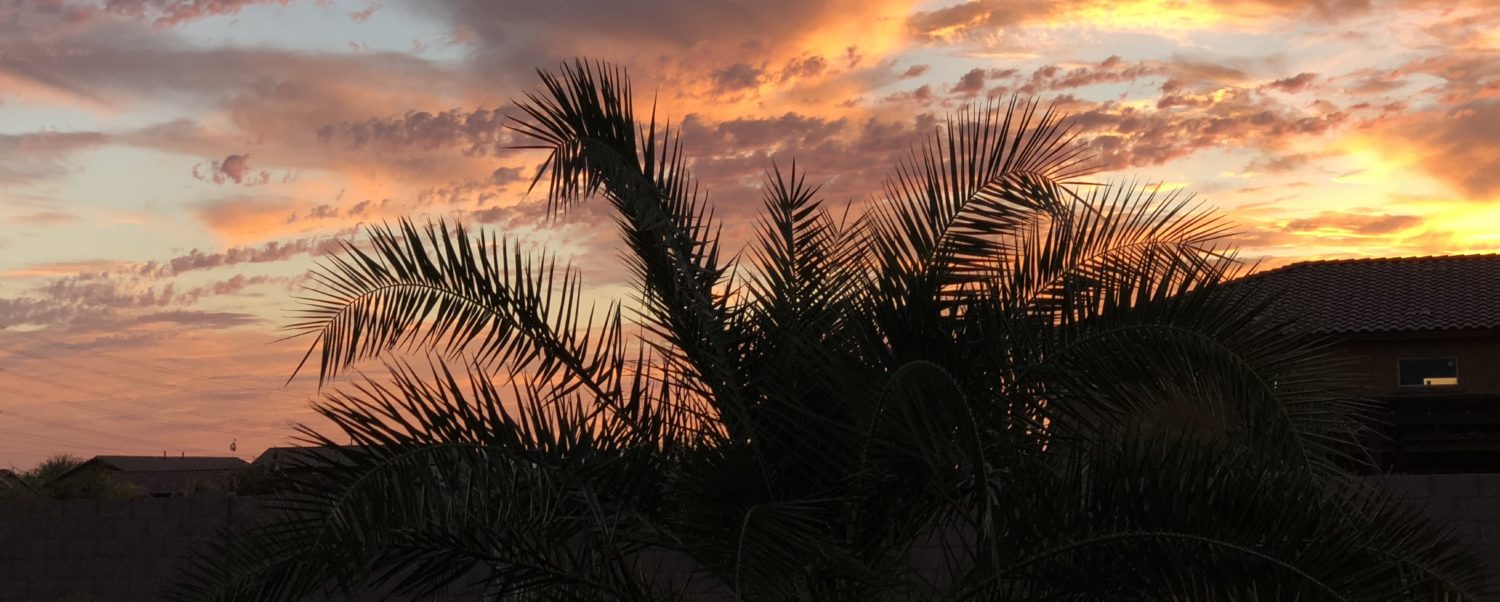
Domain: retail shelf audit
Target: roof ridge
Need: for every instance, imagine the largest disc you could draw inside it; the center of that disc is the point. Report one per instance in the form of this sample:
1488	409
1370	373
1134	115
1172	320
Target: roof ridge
1378	260
1388	294
151	457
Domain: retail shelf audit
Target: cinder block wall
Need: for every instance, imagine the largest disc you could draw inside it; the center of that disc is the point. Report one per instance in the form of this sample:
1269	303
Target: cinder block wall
104	550
125	550
1469	503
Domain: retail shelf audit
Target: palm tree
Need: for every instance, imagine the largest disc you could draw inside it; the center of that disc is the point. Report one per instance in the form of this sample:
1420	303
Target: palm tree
1001	381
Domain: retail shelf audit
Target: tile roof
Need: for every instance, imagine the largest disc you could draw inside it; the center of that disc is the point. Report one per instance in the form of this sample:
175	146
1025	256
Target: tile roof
170	463
283	457
1400	294
169	475
10	480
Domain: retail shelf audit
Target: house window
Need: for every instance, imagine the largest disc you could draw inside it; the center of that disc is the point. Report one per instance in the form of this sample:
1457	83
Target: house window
1429	372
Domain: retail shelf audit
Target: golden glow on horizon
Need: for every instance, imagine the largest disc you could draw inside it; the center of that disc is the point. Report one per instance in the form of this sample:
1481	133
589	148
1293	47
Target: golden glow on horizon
1374	163
1151	14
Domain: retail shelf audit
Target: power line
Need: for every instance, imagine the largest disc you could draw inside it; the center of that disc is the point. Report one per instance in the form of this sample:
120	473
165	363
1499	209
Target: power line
253	428
24	437
53	383
129	416
149	366
125	438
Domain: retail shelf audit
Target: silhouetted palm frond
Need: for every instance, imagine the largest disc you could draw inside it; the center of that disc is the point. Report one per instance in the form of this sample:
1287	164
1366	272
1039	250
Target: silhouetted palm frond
998	382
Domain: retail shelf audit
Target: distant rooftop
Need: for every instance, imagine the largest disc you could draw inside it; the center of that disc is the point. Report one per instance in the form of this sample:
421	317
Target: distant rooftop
286	457
1399	294
10	480
163	475
170	463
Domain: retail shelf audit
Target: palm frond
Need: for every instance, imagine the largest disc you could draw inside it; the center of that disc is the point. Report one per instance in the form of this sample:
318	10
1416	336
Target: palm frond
1070	387
435	289
585	119
988	171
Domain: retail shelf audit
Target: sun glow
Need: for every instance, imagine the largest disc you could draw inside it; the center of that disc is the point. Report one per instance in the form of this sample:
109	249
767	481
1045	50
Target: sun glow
1374	164
1152	14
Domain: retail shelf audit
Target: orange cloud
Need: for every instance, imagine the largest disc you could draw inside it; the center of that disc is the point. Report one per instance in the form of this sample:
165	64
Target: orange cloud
976	18
716	59
1365	224
243	219
65	268
1457	145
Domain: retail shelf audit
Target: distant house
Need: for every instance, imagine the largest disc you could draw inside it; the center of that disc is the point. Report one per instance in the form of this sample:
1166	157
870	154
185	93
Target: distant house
281	459
12	485
1422	335
157	476
279	467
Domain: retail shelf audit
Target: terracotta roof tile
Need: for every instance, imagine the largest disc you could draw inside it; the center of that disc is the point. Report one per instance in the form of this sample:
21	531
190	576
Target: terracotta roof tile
1401	294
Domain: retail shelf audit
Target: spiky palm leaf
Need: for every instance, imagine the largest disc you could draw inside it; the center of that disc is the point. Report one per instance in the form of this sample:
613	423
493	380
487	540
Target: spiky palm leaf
1062	382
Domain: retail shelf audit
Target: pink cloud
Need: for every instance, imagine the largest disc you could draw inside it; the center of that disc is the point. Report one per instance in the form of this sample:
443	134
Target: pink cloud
360	16
1280	164
270	252
45	217
174	12
1294	84
478	132
970	83
39	156
233	168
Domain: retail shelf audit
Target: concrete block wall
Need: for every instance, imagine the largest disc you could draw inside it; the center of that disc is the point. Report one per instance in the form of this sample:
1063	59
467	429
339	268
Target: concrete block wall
103	550
126	550
1468	503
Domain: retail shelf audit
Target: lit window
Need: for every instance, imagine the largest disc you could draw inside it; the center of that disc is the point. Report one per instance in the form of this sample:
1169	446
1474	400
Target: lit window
1429	372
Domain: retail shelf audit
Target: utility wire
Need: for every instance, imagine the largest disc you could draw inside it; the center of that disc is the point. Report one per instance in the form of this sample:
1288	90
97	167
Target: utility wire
8	414
199	413
149	366
51	442
259	430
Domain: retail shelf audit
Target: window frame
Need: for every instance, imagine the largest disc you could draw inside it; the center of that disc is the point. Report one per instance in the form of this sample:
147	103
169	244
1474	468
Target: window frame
1456	375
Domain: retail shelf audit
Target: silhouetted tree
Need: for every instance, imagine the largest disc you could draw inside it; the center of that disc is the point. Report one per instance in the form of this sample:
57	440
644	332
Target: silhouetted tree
88	484
51	468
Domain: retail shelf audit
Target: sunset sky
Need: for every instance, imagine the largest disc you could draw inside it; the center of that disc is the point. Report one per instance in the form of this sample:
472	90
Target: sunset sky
170	169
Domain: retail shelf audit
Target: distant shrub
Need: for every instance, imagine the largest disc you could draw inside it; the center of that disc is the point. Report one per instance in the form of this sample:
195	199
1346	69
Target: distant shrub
92	483
51	468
